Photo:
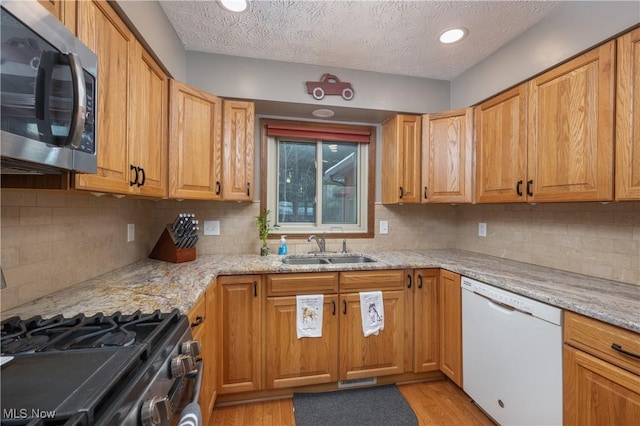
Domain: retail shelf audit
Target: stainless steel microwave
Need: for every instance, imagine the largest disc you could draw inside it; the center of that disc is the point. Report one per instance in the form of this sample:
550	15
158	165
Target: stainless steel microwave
48	94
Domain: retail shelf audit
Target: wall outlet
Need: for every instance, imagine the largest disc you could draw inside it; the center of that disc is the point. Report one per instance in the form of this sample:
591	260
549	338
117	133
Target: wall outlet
384	227
131	232
211	227
482	229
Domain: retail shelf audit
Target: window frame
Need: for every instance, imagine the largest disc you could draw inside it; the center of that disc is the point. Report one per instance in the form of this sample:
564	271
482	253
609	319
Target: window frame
370	193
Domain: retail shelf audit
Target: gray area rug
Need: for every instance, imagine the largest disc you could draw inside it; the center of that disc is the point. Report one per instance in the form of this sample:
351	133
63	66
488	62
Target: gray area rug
380	405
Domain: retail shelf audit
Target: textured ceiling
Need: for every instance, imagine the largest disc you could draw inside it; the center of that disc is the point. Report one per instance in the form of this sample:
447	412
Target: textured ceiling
395	37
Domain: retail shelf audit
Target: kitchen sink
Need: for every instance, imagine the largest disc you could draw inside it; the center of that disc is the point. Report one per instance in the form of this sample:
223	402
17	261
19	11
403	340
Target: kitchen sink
305	261
315	260
351	259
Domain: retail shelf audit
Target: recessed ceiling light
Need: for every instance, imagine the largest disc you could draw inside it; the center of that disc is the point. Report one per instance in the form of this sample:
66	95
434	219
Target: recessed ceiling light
453	35
323	113
234	5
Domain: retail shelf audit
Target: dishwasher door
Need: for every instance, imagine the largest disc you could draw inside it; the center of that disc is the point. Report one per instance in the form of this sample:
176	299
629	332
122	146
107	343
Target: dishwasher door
512	359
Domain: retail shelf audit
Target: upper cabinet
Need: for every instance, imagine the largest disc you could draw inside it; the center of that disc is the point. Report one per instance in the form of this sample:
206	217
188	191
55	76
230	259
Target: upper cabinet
132	108
570	130
194	153
401	148
628	117
447	154
237	150
501	147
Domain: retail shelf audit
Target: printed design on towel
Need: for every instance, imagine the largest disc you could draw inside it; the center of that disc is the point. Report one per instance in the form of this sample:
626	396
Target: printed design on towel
372	312
309	315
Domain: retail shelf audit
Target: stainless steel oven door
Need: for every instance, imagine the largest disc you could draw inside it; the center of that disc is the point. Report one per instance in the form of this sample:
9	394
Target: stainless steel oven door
187	411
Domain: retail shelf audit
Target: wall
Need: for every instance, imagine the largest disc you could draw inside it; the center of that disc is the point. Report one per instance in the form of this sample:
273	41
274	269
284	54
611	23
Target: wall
572	27
601	240
53	240
247	78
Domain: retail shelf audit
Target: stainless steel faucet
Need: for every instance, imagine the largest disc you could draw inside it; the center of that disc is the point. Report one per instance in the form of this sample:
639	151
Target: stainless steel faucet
344	246
320	241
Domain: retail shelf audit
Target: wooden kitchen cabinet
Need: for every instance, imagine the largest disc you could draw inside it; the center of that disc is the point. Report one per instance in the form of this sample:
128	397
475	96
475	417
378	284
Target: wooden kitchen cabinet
237	150
381	355
447	154
501	147
401	148
601	384
570	129
298	362
132	108
450	298
195	127
426	342
239	322
628	117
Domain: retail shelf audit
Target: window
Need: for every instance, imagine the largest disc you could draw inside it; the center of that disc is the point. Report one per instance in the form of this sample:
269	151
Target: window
319	178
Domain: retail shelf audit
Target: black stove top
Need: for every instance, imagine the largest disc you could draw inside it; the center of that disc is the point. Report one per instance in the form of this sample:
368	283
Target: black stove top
79	370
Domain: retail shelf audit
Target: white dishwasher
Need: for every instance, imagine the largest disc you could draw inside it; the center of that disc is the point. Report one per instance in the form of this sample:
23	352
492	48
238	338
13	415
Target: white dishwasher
512	355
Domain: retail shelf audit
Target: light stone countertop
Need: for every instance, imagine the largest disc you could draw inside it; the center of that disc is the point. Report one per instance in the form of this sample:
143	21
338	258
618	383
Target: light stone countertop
152	284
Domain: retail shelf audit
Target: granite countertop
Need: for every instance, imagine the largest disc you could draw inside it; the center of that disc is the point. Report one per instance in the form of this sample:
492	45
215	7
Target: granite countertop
152	284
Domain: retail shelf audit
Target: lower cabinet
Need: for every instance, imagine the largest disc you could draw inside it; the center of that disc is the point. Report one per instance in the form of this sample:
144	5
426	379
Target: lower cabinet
450	304
601	382
375	355
309	360
426	342
239	319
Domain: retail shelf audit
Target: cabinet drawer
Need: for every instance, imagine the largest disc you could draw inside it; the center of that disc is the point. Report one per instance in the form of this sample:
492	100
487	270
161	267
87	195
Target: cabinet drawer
305	283
599	338
372	280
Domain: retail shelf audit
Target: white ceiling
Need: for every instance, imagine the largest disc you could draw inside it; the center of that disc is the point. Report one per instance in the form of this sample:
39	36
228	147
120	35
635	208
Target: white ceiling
395	37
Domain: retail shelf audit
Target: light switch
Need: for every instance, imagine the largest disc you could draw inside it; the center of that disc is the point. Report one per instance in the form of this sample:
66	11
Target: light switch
131	232
384	227
482	229
211	227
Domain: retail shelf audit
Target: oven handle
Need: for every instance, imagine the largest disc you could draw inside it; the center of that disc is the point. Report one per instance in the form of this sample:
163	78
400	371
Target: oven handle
198	382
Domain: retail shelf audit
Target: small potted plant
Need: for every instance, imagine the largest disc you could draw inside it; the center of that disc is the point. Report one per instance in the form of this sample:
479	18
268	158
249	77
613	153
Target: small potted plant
264	228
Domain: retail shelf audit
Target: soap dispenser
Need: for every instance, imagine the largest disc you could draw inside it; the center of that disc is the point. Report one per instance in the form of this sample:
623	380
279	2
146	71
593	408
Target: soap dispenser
283	245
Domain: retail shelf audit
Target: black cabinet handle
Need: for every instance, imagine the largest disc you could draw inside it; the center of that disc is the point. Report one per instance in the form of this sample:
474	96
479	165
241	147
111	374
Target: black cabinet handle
248	189
617	347
425	193
401	192
133	181
410	280
144	176
419	281
218	188
197	322
333	303
255	289
519	188
529	185
344	307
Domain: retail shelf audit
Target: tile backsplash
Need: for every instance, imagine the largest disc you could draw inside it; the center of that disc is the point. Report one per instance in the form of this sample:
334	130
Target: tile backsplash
54	240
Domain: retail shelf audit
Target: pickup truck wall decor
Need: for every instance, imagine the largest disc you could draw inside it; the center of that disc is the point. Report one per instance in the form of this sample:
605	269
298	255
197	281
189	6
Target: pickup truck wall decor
329	84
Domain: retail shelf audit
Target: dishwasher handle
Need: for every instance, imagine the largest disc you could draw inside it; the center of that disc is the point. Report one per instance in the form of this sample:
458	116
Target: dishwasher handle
499	305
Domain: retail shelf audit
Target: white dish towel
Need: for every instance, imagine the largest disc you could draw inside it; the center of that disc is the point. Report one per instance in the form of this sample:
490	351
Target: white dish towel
309	315
372	312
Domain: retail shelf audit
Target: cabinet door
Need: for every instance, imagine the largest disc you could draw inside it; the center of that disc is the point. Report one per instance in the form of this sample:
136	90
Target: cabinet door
426	342
598	393
239	322
447	153
628	117
149	124
501	147
450	296
570	138
298	362
237	151
195	127
401	148
104	32
55	7
370	356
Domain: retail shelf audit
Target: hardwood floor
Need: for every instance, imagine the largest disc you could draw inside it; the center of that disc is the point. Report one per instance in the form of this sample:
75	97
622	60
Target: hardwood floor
435	403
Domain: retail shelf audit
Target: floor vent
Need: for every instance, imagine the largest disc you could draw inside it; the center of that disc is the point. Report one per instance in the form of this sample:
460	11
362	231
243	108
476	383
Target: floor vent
342	384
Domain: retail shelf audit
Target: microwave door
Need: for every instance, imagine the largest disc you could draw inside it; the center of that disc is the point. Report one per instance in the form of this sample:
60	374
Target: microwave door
52	105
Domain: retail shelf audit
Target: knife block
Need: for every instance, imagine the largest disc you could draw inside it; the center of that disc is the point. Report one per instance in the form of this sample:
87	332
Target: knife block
166	249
